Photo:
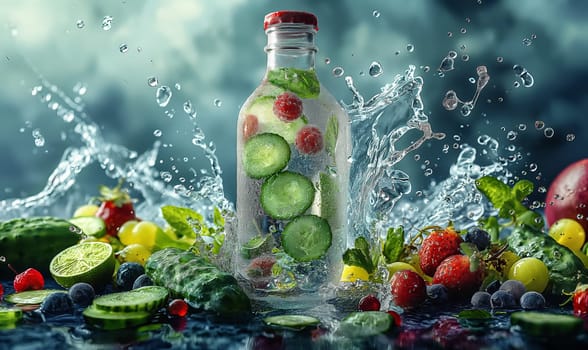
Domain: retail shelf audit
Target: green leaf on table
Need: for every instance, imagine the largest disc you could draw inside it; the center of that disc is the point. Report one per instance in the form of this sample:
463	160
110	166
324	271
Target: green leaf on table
474	314
303	83
393	245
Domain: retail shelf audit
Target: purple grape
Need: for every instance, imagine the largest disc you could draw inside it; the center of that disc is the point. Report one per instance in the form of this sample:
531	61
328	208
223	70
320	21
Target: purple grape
502	299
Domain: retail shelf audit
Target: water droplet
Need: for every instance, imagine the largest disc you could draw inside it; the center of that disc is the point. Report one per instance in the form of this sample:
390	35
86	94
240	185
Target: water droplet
452	54
541	189
166	176
327	60
500	99
68	117
338	71
472	80
516	84
457	137
426	68
570	137
466	109
139	49
157	133
463	31
152	81
533	167
518	70
163	95
376	13
178	86
80	24
446	64
548	132
107	23
80	88
522	127
217	102
527	41
511	135
527	79
499	59
417	157
189	108
465	58
375	69
123	48
539	124
450	100
410	47
38	138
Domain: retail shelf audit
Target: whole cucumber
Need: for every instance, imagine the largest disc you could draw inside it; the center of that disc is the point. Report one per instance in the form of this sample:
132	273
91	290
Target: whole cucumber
33	242
199	282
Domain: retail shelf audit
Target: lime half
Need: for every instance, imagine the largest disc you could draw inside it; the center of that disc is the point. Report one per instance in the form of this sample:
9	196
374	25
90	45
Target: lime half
90	262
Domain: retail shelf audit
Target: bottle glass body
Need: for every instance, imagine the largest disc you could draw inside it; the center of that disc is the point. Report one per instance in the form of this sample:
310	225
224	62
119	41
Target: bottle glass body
293	144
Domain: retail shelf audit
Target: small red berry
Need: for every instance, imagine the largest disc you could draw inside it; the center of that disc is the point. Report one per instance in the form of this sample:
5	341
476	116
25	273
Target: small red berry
177	307
309	140
408	289
369	303
30	279
288	107
250	126
580	301
1	291
396	317
261	266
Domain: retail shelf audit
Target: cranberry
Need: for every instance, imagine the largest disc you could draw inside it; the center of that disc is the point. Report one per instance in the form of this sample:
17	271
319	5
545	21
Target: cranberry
309	140
288	107
369	303
30	279
177	307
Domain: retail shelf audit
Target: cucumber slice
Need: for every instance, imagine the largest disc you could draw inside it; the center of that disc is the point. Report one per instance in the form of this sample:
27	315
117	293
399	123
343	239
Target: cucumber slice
31	297
264	155
328	194
91	226
542	324
263	109
296	322
148	298
306	238
108	320
10	315
286	195
257	246
365	324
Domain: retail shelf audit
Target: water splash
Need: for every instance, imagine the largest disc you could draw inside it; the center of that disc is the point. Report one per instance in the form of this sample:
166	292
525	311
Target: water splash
451	101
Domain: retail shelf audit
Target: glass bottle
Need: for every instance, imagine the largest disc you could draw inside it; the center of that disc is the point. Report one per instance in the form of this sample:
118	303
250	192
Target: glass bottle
293	145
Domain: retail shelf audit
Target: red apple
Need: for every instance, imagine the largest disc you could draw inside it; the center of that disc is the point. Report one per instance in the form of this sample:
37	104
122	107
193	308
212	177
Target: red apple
567	196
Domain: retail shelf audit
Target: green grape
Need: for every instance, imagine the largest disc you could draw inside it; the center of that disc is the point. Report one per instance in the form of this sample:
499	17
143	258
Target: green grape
532	272
568	232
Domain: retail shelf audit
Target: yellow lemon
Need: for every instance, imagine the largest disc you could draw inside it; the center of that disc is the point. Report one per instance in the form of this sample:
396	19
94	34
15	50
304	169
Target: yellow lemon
353	273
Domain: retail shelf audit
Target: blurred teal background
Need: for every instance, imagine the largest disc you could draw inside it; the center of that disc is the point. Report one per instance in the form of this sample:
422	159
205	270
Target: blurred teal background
211	53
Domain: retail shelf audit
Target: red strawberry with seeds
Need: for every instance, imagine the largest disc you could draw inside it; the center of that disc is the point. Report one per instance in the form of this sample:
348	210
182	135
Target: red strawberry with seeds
30	279
436	247
408	289
455	274
309	140
288	107
580	301
116	208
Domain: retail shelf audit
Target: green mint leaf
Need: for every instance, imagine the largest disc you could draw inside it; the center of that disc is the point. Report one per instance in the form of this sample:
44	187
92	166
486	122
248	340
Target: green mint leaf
356	257
303	83
474	314
522	189
182	220
495	190
394	244
468	248
217	218
331	134
530	218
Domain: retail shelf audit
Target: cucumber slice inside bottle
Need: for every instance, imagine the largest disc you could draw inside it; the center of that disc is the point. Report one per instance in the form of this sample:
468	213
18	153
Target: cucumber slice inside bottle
543	324
148	298
264	155
91	226
295	322
307	238
286	195
108	320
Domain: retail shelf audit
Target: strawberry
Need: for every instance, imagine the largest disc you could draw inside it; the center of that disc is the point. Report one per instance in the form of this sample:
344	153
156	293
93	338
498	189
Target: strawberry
261	266
455	274
288	107
436	247
408	289
580	301
309	140
30	279
116	208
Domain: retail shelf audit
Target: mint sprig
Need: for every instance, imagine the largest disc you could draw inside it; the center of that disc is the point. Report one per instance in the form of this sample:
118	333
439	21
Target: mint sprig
360	255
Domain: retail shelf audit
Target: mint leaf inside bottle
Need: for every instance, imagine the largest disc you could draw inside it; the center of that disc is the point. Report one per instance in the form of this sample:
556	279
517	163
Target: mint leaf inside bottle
303	83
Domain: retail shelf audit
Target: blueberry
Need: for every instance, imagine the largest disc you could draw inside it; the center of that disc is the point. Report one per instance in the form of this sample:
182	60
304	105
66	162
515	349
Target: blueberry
481	299
493	286
532	301
82	293
142	281
480	238
502	299
437	293
516	288
127	274
57	304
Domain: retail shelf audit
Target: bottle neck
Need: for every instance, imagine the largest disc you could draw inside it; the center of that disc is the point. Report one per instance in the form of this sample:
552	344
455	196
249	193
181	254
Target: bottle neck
290	46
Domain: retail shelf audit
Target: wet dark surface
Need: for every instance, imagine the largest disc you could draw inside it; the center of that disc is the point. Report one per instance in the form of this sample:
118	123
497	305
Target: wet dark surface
428	327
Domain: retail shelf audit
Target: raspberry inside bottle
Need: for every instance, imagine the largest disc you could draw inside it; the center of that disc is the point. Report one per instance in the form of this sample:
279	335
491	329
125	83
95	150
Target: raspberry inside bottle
293	145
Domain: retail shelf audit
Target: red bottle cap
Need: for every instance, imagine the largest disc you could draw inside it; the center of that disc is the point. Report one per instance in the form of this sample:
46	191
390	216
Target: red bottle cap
290	17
